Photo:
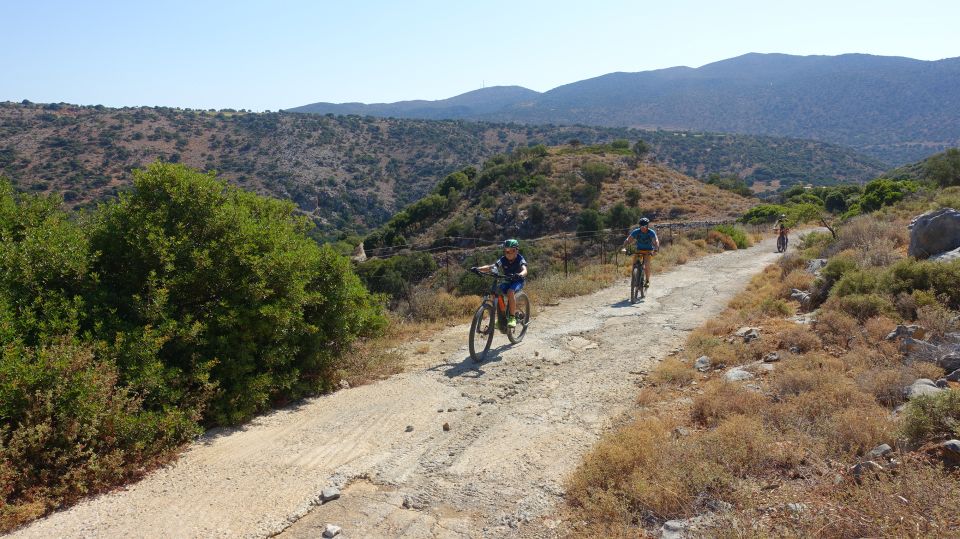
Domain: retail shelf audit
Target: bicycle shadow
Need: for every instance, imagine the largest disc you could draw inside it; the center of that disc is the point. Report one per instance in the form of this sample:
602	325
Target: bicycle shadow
626	303
468	368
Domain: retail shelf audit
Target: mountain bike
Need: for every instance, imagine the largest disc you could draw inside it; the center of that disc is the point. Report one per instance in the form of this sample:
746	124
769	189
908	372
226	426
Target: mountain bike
492	315
638	276
782	241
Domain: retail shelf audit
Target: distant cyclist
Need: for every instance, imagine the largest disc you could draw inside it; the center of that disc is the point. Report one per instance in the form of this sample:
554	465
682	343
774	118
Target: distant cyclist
511	264
646	240
782	231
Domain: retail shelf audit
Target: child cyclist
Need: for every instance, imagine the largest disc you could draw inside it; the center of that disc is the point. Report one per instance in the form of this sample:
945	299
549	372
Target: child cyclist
646	240
511	264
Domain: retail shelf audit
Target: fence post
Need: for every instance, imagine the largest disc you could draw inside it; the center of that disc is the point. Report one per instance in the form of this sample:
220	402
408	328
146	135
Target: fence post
565	274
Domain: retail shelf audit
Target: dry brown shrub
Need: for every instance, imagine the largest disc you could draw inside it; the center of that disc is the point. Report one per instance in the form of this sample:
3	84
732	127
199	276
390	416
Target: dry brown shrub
721	399
715	237
885	384
810	410
701	343
436	306
673	371
740	444
857	429
796	335
640	472
924	369
877	328
799	279
791	262
918	501
648	396
937	320
836	327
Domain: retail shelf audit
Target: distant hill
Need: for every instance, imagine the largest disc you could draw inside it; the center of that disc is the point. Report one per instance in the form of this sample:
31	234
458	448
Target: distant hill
348	172
537	191
895	109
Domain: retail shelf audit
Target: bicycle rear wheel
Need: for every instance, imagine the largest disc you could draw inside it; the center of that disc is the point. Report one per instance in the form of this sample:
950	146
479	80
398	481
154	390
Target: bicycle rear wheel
781	244
635	284
481	332
515	334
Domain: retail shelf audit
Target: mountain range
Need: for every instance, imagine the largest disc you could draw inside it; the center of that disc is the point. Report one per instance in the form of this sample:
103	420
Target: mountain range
893	108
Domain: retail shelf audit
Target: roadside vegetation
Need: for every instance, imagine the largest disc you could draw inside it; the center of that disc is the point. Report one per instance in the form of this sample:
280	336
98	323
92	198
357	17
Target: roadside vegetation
794	446
126	331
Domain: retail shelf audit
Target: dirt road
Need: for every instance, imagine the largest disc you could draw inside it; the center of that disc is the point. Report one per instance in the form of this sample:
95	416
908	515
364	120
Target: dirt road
519	423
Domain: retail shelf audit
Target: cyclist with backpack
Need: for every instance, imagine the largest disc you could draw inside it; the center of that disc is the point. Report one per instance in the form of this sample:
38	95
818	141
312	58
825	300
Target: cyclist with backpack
511	264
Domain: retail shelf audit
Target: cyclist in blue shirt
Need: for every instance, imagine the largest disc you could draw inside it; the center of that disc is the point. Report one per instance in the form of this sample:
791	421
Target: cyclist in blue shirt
646	240
511	264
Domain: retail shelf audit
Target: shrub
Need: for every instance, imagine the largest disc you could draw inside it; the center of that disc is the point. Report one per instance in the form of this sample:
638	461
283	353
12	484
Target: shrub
673	371
715	237
722	399
836	327
224	285
736	234
932	416
862	306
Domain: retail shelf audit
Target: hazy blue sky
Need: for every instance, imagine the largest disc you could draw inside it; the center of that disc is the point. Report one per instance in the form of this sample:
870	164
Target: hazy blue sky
270	55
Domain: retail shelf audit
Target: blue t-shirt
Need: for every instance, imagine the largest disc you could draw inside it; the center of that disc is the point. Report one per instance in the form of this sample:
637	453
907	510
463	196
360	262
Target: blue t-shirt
512	267
645	241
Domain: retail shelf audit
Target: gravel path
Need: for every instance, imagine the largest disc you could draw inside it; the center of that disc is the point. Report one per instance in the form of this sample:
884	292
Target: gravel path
518	424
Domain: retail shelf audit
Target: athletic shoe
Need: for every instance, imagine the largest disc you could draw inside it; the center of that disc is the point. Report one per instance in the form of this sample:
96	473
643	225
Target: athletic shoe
511	322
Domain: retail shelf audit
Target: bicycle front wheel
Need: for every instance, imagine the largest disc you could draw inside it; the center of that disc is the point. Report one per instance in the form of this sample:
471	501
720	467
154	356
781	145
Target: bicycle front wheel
635	285
481	332
515	334
642	280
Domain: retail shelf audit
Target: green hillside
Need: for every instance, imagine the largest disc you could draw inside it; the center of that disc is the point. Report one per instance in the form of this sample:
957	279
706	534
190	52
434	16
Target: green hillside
347	172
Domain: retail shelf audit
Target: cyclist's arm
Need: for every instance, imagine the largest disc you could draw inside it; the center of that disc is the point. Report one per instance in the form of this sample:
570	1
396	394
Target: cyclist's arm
523	271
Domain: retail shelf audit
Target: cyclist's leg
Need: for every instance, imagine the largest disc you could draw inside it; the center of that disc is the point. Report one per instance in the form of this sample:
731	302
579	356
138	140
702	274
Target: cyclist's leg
511	301
646	267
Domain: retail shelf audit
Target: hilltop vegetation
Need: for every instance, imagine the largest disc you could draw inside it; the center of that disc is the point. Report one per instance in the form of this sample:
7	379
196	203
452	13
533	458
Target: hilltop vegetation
346	172
895	109
184	304
539	190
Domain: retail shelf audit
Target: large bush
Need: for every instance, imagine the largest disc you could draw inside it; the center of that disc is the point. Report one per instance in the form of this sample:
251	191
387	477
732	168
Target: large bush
185	302
229	286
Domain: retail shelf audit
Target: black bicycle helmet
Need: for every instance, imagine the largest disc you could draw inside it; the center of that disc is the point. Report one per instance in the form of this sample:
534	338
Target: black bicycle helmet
644	221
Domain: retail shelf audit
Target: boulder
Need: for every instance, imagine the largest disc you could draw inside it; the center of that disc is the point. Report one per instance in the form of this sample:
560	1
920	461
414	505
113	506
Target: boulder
916	349
801	296
951	451
329	494
702	364
922	386
947	256
815	265
912	330
748	334
737	374
934	232
953	376
880	451
331	530
949	362
772	357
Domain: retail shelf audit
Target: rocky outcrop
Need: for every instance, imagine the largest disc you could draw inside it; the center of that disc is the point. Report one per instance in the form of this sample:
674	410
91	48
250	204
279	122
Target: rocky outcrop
934	232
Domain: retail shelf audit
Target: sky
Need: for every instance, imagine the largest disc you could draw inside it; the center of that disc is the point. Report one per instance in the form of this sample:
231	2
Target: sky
260	55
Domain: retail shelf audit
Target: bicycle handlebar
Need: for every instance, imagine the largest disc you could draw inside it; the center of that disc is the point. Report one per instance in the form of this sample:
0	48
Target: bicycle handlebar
496	276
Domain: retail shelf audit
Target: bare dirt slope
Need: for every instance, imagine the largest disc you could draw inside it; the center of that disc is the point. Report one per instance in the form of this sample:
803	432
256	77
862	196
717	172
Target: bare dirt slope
519	423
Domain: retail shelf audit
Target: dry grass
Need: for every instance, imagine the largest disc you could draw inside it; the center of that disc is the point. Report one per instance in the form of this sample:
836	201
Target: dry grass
673	371
721	399
817	413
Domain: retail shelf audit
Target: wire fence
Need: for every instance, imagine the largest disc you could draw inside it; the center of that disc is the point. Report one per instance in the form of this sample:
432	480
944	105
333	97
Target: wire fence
572	249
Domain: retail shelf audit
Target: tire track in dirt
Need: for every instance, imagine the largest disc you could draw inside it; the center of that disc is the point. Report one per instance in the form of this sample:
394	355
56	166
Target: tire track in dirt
520	422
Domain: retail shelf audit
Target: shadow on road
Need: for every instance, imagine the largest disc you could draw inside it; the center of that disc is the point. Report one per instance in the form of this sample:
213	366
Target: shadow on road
469	368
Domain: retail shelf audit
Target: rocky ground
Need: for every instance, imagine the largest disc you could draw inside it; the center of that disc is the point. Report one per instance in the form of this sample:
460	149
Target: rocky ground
450	448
